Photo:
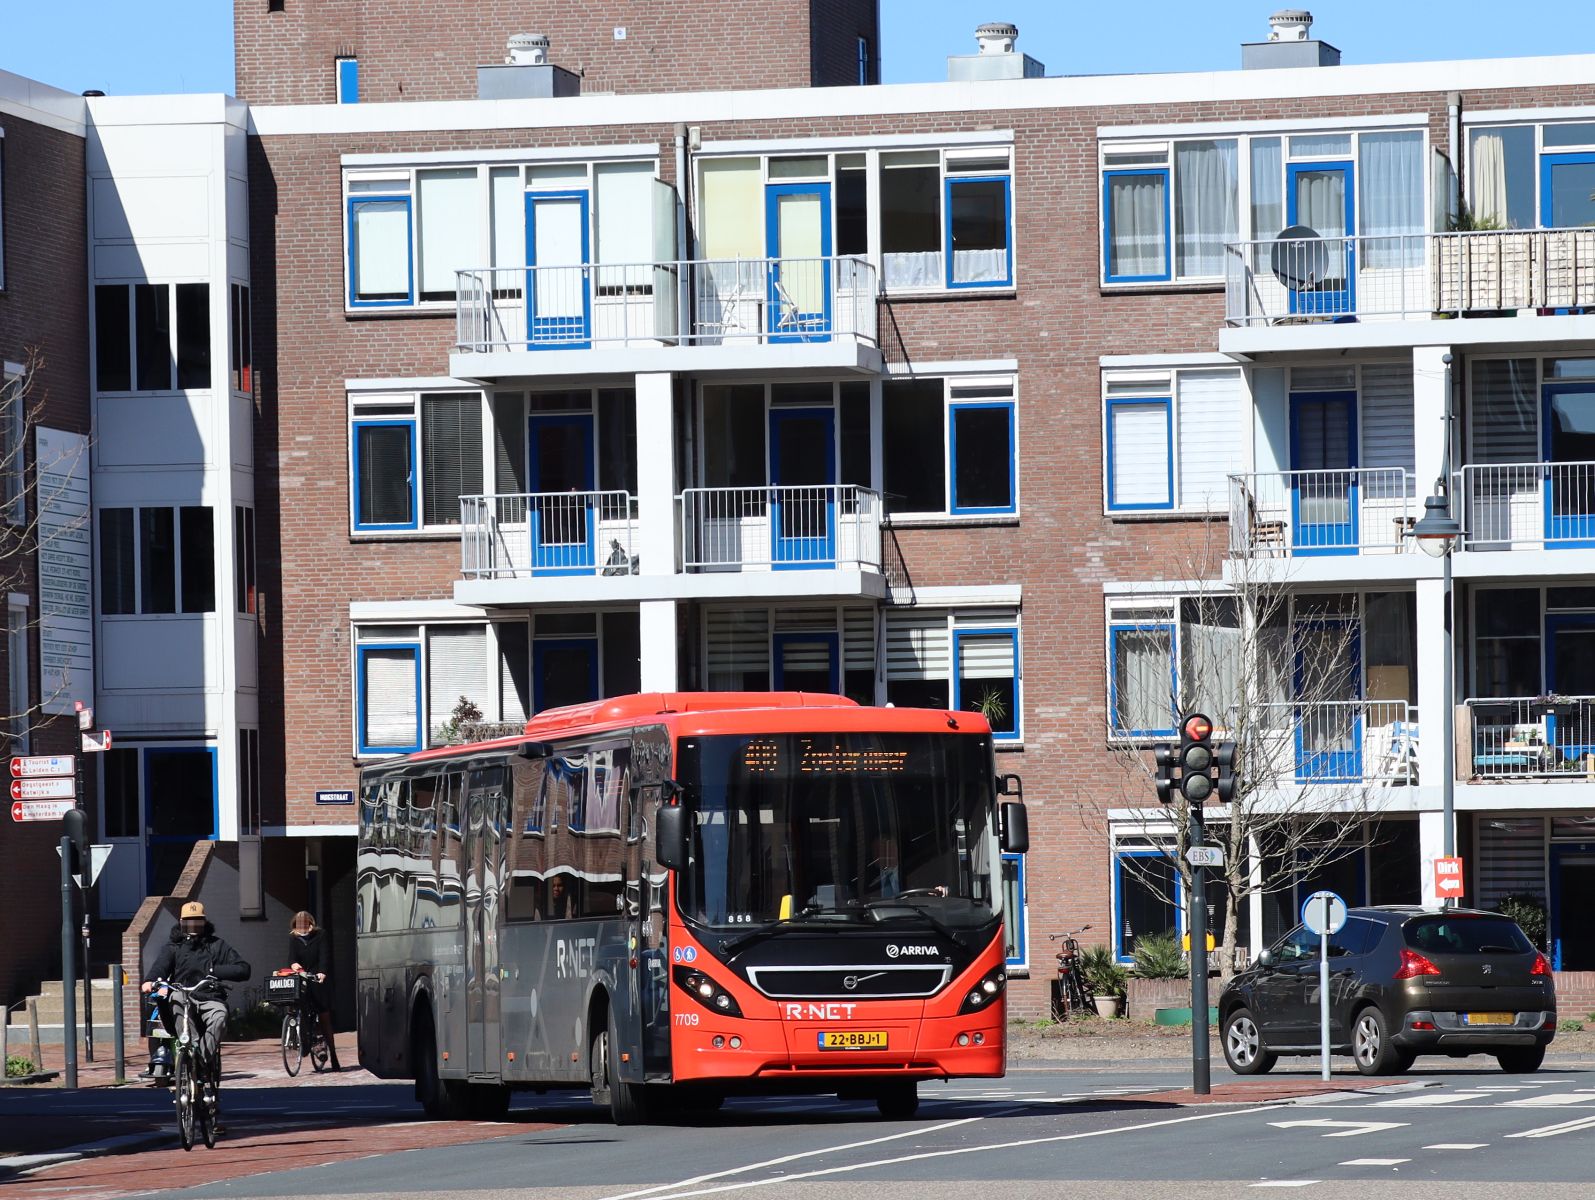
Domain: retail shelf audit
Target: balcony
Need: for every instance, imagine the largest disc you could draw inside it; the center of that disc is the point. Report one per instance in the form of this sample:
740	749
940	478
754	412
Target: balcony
1410	276
1298	514
1546	737
1517	506
797	528
1340	742
548	534
700	315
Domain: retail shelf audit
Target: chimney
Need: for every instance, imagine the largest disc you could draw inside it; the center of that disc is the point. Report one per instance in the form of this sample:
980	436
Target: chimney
525	73
1289	44
997	57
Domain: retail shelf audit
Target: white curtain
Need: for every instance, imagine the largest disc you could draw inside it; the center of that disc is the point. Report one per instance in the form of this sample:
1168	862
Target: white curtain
1489	178
1392	198
914	269
450	213
1206	205
1137	234
509	223
382	249
980	266
1268	188
1211	647
1143	679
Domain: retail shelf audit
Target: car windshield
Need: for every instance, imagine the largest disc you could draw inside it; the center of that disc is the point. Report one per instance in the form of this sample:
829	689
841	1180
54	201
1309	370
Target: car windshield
839	826
1466	935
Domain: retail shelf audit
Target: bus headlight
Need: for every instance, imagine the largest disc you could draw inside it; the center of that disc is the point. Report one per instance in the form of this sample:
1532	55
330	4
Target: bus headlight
706	991
985	993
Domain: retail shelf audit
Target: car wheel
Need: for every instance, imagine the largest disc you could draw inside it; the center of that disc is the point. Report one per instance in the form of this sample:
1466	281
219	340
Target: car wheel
1244	1048
1521	1060
1370	1044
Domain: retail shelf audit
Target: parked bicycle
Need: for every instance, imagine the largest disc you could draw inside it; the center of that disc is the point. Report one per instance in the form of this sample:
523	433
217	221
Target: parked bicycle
302	1036
1068	989
194	1082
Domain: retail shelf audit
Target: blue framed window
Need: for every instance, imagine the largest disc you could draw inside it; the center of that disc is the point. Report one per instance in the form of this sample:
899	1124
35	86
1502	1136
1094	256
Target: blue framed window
388	697
1143	679
1135	225
348	72
1016	919
979	234
1147	899
986	678
384	492
981	445
1139	439
381	251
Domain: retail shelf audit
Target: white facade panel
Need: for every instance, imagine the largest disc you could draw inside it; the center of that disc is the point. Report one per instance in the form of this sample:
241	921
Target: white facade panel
154	431
160	653
146	208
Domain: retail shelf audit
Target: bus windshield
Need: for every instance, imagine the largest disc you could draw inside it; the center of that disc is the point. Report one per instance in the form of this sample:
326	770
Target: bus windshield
839	827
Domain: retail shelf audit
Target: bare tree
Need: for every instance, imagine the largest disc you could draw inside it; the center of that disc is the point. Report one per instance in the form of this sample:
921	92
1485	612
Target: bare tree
39	523
1278	670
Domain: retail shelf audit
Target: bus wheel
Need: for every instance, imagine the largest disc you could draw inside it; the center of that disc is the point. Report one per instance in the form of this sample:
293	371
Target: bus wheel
441	1101
898	1101
627	1102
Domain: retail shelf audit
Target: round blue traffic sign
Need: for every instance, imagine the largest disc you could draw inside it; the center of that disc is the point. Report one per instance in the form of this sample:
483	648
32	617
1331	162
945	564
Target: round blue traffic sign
1323	912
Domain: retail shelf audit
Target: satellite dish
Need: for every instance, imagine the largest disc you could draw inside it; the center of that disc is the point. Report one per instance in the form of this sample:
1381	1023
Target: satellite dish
1300	258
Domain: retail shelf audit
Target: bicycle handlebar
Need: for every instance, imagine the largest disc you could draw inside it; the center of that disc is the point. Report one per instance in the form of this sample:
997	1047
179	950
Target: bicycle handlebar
1052	937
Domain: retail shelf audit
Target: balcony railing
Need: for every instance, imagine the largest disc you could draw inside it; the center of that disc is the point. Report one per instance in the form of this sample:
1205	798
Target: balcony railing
527	534
1508	506
699	302
1485	272
1284	514
1539	737
780	528
1342	741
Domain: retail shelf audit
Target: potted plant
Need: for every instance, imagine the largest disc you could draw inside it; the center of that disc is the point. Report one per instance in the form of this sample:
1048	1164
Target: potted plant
1104	979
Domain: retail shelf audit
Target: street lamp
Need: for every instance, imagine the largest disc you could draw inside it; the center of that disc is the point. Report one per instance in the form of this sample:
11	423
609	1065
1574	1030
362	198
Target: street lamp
1437	534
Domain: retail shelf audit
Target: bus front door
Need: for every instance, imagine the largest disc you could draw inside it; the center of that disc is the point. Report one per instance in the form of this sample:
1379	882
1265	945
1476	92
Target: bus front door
483	843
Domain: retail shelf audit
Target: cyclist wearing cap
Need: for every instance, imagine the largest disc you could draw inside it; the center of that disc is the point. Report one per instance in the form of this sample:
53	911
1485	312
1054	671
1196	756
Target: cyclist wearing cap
193	954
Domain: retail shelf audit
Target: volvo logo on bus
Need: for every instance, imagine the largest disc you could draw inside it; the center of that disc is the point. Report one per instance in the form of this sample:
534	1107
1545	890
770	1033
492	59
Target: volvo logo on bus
896	951
850	982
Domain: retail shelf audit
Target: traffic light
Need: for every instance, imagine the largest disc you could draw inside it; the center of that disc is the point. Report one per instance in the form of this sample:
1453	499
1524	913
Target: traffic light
1164	755
1224	760
75	826
1196	758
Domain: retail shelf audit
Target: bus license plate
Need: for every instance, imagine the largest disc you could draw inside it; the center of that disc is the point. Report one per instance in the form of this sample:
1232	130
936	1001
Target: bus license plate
1474	1018
853	1039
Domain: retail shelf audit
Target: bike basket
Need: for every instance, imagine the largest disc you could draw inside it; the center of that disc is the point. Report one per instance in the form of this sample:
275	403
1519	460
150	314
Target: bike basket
284	989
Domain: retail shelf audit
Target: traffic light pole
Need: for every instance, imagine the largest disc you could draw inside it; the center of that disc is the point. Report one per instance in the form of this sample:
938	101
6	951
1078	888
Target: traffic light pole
1196	922
69	984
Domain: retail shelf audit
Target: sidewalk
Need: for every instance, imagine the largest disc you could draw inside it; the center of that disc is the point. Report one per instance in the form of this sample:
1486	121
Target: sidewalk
244	1064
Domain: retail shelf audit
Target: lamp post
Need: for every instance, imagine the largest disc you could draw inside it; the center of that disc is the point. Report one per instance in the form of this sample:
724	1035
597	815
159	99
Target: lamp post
1437	534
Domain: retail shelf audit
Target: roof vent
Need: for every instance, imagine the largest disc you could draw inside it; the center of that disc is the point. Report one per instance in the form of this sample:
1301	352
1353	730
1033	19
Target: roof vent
997	58
1289	25
526	50
1290	44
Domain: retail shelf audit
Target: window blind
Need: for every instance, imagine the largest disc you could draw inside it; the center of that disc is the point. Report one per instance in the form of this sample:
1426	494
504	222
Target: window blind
456	665
381	249
1140	465
858	639
391	719
1387	437
1505	411
383	488
450	217
738	644
1212	436
917	645
451	448
986	656
733	214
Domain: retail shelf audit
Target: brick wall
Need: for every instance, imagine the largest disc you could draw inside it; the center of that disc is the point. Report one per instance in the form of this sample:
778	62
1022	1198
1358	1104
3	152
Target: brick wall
834	29
1575	995
430	49
43	321
1062	551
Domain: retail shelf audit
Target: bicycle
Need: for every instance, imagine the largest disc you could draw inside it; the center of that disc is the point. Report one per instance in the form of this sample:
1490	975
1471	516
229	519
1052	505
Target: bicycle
194	1083
301	1026
1068	990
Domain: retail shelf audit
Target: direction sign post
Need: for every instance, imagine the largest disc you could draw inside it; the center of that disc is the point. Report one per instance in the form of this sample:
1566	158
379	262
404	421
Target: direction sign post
1323	913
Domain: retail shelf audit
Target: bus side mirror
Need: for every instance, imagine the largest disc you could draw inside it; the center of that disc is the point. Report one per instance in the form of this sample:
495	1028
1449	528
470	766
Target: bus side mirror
1015	825
1011	785
670	837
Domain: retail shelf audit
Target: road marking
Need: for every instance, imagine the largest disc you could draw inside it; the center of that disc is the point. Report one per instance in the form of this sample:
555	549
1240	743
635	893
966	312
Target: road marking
1430	1099
1555	1130
930	1154
1552	1099
1457	1146
1342	1128
1287	1183
1508	1087
1374	1162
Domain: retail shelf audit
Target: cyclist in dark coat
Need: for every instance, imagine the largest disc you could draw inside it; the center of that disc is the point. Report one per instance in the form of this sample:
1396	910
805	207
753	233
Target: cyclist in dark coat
309	952
193	954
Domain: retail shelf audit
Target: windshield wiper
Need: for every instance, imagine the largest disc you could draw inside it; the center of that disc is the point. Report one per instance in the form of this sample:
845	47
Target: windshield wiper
931	918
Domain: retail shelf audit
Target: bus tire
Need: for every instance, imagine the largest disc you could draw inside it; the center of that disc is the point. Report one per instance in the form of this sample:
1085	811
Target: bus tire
627	1102
440	1100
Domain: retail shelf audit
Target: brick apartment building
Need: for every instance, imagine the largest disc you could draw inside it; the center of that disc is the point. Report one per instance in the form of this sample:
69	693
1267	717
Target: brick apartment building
548	390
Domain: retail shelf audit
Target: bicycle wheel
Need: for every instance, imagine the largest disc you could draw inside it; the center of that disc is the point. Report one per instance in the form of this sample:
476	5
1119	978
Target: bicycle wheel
184	1084
206	1109
1076	992
293	1048
1060	1001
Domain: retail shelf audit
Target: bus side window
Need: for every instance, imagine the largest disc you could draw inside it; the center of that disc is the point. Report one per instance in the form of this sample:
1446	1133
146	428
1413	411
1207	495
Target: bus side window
450	868
603	865
524	883
424	851
560	846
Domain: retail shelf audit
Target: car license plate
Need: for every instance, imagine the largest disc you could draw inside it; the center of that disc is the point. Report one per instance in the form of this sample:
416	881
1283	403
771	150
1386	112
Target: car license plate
1474	1018
852	1039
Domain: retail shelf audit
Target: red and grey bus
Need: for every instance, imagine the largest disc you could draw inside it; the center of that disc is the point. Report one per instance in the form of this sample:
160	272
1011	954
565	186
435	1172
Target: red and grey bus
665	899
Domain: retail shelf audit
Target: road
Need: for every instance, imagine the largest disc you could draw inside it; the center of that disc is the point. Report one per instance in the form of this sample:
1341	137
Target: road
1453	1131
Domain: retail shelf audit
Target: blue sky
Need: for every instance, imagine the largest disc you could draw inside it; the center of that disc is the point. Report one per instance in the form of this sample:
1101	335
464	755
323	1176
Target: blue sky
127	46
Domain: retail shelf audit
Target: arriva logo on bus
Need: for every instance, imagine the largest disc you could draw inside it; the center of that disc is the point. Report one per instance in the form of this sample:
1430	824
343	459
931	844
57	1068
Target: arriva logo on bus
820	1012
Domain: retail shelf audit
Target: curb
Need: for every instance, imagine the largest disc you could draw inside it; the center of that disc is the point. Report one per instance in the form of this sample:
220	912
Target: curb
23	1164
24	1080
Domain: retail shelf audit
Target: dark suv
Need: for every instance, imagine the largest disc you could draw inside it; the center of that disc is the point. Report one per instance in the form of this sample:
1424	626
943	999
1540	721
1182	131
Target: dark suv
1402	982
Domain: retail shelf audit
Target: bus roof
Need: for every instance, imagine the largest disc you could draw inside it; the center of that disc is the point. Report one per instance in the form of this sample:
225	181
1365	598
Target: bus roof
725	712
